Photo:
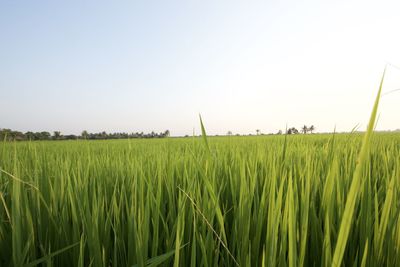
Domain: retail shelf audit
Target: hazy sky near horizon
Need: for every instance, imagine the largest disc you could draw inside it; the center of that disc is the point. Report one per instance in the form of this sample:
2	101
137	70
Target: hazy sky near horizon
155	65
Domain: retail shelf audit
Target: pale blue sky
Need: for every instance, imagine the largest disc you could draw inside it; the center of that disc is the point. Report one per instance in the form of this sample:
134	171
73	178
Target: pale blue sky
155	65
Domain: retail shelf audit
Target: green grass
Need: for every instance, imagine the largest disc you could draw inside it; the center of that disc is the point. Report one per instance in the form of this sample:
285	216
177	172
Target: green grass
265	200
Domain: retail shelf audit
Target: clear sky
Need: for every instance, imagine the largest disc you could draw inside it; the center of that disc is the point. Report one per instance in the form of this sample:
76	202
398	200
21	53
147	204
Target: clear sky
155	65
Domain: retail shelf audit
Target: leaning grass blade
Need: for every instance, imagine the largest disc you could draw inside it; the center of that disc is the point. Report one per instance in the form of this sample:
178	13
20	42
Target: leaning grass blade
5	208
365	255
355	128
18	179
347	216
51	255
209	225
204	136
157	260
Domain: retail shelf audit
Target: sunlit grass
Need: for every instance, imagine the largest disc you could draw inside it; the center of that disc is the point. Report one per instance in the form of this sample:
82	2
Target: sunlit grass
118	202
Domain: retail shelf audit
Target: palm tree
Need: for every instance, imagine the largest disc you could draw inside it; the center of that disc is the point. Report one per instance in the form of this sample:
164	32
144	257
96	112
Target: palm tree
312	128
258	131
229	133
304	129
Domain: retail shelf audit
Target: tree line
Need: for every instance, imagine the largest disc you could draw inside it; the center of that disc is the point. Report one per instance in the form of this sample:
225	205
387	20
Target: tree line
305	129
10	135
292	130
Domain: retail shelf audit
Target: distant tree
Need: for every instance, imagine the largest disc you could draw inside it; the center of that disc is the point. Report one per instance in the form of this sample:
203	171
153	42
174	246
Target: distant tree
44	135
311	129
30	136
279	132
229	133
38	136
3	135
70	137
304	129
85	134
258	131
292	130
10	135
56	135
167	133
18	136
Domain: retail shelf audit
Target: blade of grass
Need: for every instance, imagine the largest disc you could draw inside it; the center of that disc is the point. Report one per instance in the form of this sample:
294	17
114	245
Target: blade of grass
347	216
51	255
209	225
204	136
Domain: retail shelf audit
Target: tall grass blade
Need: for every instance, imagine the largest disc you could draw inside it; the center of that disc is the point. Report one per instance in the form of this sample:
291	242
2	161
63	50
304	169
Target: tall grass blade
347	216
204	136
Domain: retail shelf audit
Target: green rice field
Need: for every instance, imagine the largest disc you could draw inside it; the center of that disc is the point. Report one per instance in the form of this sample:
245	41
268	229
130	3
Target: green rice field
221	201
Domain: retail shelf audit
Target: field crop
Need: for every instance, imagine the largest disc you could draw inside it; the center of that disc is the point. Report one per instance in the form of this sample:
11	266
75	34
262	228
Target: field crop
248	201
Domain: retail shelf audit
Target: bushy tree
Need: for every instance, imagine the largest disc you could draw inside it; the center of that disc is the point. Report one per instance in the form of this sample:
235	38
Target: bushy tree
56	135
